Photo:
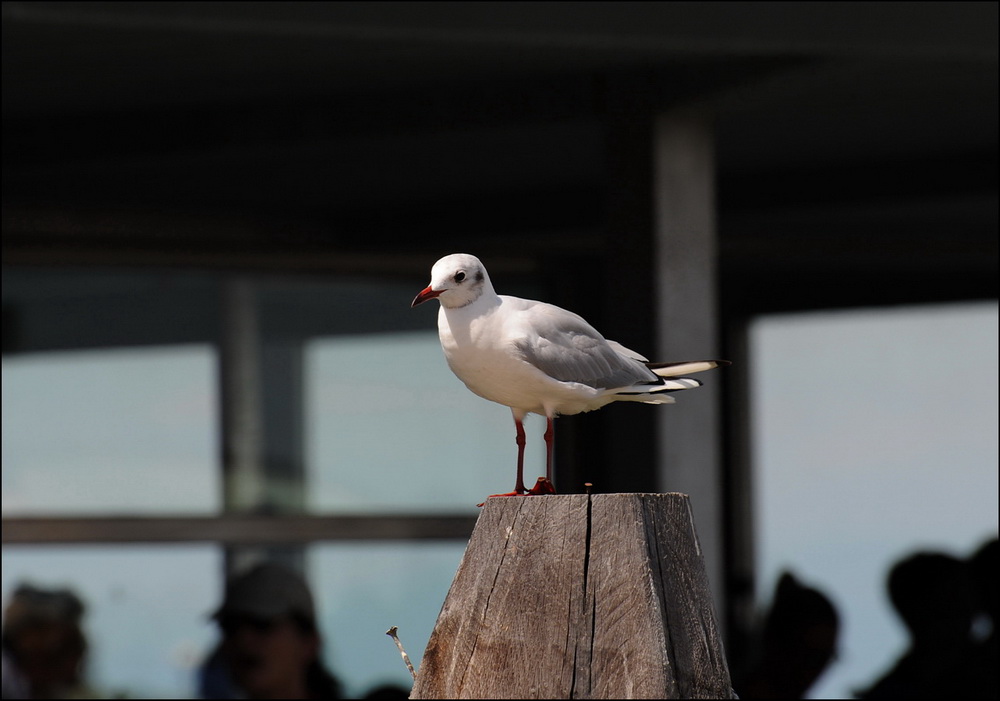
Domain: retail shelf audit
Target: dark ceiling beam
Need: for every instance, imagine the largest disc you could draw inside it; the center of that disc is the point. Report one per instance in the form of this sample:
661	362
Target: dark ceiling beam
747	293
941	233
41	140
107	136
936	177
836	259
636	28
899	208
508	225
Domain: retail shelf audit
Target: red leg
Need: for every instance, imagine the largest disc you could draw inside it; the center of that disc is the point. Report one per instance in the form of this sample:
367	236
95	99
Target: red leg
519	488
550	442
545	485
519	439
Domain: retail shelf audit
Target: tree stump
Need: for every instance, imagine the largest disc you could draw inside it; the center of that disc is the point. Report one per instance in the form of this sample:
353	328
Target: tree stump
578	596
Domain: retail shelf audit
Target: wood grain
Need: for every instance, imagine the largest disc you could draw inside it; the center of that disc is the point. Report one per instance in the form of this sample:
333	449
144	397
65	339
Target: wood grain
578	596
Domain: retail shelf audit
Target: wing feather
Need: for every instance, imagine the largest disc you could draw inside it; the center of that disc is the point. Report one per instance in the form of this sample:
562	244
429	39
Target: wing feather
564	346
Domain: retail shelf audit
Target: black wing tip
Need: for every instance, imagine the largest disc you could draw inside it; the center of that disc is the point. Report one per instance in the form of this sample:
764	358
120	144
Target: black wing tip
657	387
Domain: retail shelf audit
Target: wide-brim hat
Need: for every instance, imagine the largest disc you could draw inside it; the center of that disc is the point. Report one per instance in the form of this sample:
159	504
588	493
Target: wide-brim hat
267	591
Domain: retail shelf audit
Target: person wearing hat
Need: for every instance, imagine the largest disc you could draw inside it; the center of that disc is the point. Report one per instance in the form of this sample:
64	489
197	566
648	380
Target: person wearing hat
270	646
44	648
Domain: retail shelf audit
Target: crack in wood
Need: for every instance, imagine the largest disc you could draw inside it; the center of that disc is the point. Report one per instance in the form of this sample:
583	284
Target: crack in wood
574	596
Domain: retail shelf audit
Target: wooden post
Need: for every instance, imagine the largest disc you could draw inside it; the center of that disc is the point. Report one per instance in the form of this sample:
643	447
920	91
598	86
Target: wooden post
578	596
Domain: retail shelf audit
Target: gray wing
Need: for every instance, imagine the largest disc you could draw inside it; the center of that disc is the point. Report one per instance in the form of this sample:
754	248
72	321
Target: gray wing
564	346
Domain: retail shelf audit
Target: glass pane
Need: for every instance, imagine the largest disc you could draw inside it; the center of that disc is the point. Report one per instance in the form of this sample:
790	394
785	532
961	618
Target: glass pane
875	436
363	589
129	430
390	428
147	628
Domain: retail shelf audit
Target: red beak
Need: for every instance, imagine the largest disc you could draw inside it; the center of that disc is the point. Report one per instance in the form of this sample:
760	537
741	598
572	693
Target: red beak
425	294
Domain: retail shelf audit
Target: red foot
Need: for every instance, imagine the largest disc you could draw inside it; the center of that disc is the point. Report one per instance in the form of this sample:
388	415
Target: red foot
506	494
542	486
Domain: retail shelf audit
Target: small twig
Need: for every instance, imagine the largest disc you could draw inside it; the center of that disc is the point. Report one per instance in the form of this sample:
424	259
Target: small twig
406	658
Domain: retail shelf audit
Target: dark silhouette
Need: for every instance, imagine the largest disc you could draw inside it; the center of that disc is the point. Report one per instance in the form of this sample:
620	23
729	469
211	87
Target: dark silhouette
796	643
980	670
933	594
44	647
387	692
270	645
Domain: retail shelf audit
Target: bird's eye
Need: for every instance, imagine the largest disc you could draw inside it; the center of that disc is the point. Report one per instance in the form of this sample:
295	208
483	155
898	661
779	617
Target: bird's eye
459	276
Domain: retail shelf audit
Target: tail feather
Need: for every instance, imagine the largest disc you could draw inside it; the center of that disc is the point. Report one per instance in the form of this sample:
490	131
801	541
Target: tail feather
686	367
678	383
655	394
670	381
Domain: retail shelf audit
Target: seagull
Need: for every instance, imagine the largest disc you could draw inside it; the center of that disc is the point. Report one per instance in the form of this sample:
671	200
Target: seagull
538	358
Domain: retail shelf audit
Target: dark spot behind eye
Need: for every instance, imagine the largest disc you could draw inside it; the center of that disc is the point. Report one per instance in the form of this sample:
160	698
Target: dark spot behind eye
479	276
459	276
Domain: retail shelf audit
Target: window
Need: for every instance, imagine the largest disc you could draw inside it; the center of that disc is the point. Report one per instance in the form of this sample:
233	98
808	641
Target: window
876	436
111	431
363	589
120	413
147	627
389	429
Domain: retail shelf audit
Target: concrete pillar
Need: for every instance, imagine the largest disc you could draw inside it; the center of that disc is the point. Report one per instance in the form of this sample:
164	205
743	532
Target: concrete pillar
685	273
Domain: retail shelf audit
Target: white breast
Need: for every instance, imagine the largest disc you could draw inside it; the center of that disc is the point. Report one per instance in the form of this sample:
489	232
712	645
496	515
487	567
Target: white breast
481	354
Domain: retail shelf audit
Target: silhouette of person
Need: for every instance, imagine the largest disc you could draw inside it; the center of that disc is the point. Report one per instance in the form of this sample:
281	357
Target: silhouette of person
270	646
387	692
983	569
933	595
797	642
979	672
44	647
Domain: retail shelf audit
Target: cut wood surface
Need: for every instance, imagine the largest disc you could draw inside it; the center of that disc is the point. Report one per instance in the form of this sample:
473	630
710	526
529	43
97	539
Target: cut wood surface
577	596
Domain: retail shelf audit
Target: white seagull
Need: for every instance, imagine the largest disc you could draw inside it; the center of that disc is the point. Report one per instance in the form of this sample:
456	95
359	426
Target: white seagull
538	358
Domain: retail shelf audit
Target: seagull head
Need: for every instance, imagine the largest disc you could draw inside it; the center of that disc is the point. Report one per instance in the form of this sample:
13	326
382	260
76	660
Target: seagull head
456	280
